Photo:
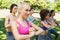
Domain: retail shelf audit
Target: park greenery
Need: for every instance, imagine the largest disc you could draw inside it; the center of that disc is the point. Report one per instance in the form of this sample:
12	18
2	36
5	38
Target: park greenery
36	4
3	29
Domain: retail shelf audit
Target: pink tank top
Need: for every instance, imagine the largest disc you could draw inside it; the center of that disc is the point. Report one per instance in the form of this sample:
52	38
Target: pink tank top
23	30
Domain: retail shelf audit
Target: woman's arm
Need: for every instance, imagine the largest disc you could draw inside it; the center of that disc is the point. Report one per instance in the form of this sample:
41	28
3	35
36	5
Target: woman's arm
51	23
56	22
7	24
39	30
36	19
16	34
44	24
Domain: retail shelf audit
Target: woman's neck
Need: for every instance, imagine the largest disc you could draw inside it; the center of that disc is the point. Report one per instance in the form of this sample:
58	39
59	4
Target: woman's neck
30	14
21	18
51	16
13	14
45	20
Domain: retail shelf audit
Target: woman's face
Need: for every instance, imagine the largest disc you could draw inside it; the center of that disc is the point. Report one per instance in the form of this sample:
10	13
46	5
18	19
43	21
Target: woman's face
25	11
14	10
32	11
53	14
47	17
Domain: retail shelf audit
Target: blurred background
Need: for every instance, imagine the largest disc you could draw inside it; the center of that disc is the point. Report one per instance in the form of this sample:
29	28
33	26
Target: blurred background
37	5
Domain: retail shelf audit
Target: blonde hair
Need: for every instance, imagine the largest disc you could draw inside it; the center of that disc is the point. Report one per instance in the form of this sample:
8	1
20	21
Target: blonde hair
21	6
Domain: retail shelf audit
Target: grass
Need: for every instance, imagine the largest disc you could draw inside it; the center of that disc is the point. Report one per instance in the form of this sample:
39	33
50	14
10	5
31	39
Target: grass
57	28
3	31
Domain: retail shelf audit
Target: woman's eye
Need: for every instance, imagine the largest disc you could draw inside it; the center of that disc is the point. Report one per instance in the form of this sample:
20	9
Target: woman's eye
27	10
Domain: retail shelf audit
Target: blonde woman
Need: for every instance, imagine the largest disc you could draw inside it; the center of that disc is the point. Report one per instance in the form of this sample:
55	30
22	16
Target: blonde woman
21	27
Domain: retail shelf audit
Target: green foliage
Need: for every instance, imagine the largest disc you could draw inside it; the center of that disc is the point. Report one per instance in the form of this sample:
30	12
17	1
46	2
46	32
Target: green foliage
57	6
35	4
3	31
0	3
7	3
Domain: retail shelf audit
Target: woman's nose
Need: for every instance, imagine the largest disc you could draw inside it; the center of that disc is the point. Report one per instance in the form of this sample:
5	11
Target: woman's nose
28	12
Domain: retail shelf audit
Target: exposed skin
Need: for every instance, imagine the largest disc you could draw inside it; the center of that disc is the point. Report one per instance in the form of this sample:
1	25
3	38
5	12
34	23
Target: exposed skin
7	19
46	25
23	14
52	15
30	14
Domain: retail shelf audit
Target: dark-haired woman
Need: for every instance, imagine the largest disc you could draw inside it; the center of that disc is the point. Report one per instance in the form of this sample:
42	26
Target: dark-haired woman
44	14
8	20
52	20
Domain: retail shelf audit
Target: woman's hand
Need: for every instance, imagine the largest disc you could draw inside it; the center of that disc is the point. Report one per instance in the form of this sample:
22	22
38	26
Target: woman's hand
31	31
